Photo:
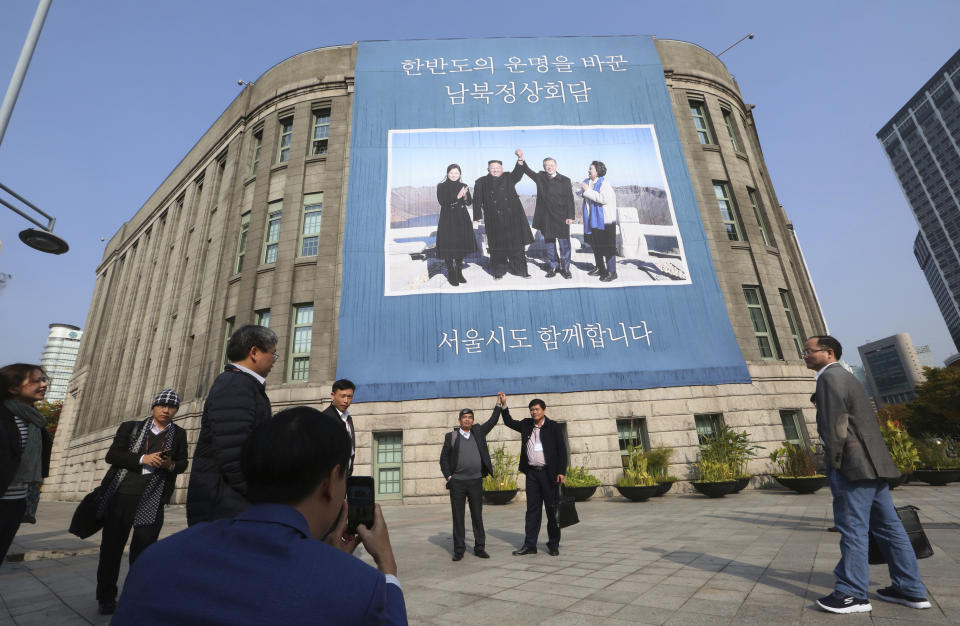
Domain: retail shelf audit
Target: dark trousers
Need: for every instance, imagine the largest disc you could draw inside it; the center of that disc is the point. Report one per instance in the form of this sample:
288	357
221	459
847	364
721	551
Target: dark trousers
564	261
503	260
541	493
11	514
116	530
471	491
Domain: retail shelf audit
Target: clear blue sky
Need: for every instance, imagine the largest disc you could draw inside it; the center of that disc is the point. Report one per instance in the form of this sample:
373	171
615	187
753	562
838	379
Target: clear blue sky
119	91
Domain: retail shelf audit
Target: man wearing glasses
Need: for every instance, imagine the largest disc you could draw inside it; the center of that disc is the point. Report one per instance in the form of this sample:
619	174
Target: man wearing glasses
237	402
858	464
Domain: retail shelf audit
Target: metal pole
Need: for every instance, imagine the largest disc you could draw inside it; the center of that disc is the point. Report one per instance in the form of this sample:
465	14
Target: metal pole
747	36
16	81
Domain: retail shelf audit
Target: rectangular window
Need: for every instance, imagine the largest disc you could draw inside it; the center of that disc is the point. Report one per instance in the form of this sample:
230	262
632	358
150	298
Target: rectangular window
321	131
708	424
698	110
761	221
795	333
263	318
310	232
271	238
388	464
242	241
760	318
631	431
732	130
727	211
302	340
286	137
794	430
228	332
257	144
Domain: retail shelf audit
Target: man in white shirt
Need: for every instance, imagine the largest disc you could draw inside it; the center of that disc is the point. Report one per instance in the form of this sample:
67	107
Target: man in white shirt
341	397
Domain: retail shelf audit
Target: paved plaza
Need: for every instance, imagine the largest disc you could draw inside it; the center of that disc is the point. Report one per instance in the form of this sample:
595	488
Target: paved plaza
758	557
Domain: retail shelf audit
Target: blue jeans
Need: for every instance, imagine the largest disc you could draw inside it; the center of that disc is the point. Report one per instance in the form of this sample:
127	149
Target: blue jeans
564	264
861	507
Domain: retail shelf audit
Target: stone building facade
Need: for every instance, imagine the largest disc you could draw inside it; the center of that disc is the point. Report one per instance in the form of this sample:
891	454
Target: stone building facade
249	228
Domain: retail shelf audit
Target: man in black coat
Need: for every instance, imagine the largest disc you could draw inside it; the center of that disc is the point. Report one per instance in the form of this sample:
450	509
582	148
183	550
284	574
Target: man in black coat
464	461
543	459
145	458
554	212
237	402
496	203
341	397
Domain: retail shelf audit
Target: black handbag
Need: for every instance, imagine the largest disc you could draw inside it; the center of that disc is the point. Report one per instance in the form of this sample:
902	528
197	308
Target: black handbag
911	523
566	509
85	522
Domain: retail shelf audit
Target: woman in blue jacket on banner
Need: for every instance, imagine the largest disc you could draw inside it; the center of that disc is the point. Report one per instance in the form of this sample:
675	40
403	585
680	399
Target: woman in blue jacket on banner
600	221
455	238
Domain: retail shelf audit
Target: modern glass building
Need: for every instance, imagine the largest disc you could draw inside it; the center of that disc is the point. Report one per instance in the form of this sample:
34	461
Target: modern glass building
59	357
892	369
922	142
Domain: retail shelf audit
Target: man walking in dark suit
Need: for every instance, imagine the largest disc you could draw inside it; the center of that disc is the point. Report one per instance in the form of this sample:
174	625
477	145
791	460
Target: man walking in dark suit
543	459
341	397
554	212
145	458
464	461
858	464
237	402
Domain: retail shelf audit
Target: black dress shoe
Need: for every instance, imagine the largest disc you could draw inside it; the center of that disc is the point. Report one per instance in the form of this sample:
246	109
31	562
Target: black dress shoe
566	274
457	556
481	553
108	607
555	552
551	274
524	550
594	272
608	278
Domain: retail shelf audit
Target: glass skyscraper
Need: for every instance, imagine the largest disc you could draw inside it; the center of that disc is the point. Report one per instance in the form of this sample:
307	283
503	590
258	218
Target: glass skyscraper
922	142
59	357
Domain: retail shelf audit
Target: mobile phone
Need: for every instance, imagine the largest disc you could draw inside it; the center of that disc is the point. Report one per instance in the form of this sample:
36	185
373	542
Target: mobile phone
360	502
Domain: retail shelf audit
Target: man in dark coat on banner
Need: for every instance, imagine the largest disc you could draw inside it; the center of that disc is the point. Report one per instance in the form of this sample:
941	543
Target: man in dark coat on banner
543	459
495	201
464	461
237	402
554	212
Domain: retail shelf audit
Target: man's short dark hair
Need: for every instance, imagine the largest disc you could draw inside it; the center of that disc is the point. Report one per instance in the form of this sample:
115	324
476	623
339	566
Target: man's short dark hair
543	405
549	159
343	383
600	167
286	457
826	341
494	161
247	337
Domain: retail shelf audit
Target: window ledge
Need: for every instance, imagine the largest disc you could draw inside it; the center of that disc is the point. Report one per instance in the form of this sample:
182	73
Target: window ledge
741	155
316	158
236	278
249	179
266	267
308	260
278	166
740	245
773	250
710	147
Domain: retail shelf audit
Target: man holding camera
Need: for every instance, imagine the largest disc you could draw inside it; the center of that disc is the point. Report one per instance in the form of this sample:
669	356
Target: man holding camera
145	458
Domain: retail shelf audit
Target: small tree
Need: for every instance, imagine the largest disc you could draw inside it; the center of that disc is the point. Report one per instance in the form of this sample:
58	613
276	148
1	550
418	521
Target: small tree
936	409
504	477
51	411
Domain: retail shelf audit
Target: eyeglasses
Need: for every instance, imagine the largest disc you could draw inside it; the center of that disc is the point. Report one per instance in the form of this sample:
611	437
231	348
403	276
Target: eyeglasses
808	351
276	355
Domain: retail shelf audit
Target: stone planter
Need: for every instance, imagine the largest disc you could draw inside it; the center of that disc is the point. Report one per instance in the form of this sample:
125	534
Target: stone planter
937	478
715	490
638	494
581	493
499	497
803	484
663	487
742	482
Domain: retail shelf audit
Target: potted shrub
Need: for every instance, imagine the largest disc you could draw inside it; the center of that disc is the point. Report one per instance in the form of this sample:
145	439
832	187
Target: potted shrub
796	469
501	486
720	462
581	484
936	466
658	463
902	449
637	484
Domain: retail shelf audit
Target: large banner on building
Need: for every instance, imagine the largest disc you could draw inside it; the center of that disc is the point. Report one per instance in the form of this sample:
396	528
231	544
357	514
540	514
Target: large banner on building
583	266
